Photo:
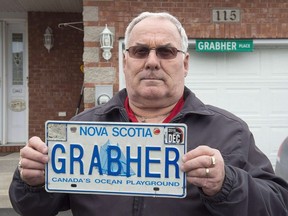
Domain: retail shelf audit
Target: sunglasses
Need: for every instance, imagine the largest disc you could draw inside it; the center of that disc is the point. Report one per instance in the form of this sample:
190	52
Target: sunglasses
162	52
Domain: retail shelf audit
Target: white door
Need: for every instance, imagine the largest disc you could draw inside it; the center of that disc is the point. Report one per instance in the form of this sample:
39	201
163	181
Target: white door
14	106
252	85
1	81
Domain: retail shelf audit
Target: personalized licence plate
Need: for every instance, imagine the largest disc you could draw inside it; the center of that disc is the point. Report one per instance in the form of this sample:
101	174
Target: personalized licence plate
116	158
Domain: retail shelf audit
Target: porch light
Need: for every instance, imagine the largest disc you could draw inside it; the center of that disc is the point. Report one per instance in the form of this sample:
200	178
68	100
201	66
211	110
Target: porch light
48	38
106	41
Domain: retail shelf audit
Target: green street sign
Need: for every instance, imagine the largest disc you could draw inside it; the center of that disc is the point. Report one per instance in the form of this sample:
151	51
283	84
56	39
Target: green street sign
224	45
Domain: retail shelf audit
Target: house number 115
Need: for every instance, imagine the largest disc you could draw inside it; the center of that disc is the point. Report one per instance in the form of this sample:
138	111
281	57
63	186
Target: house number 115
226	15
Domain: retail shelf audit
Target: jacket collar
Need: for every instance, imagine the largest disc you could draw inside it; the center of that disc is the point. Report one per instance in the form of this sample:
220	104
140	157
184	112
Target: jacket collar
192	104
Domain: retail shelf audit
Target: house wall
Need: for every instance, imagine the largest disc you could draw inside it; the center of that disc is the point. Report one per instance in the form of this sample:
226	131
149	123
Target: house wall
259	19
55	78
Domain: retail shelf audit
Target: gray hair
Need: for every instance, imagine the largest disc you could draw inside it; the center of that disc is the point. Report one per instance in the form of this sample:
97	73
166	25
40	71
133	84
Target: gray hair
164	15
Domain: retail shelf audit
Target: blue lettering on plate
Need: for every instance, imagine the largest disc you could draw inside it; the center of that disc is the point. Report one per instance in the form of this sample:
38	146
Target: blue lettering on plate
131	132
93	131
109	159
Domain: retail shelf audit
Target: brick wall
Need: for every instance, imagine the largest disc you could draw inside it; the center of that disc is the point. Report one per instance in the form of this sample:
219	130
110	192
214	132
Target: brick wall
259	19
55	78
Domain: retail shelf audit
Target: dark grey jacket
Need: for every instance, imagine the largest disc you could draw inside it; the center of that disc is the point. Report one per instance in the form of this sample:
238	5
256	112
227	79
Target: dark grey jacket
250	187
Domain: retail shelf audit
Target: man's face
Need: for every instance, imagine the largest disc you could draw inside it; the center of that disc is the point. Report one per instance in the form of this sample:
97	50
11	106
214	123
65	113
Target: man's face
153	80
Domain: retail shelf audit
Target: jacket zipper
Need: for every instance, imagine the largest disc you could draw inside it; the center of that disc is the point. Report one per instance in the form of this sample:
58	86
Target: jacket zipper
137	206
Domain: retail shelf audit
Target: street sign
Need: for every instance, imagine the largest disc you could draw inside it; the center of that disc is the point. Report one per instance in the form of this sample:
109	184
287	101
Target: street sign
224	45
116	158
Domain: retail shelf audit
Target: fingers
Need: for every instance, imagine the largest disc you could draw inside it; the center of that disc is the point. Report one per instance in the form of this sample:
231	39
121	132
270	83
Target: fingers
37	144
33	177
33	158
35	150
199	151
204	167
201	172
201	161
32	173
31	164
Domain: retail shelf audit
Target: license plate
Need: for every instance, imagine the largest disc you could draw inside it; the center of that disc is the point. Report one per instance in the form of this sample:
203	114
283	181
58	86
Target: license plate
116	158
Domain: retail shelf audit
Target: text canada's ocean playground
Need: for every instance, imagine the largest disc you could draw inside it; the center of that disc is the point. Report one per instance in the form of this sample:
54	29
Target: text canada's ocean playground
116	181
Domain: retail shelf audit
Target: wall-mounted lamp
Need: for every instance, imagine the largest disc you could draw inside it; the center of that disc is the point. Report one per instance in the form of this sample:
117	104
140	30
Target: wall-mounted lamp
48	38
106	41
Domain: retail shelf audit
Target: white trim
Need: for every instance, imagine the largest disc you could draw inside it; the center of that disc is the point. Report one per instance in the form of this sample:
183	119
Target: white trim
4	84
275	43
258	43
121	64
1	81
16	16
26	61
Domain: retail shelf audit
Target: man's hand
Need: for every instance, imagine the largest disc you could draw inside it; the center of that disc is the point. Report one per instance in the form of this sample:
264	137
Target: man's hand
204	167
33	158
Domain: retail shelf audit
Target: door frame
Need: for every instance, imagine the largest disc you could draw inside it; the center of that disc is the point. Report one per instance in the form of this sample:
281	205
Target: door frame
3	70
3	123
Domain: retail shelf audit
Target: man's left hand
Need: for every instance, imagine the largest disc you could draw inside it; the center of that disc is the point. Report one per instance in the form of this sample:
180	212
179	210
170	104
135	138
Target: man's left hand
204	167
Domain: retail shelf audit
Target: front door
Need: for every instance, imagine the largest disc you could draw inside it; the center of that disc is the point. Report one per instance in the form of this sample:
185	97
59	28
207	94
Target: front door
1	82
13	84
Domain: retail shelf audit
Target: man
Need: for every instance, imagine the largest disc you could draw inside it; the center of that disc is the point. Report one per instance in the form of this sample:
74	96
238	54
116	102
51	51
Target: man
226	173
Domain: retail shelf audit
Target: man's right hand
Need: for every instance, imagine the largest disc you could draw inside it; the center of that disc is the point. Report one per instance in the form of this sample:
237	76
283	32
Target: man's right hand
33	158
